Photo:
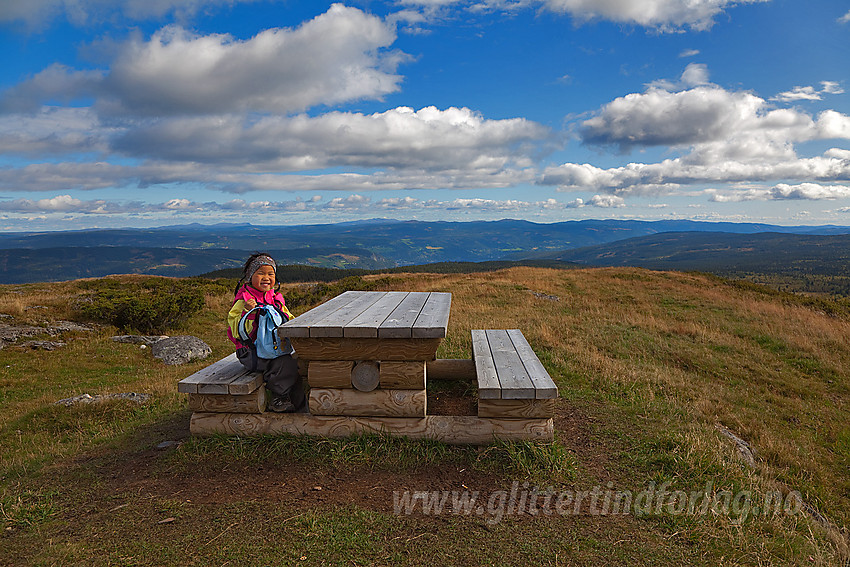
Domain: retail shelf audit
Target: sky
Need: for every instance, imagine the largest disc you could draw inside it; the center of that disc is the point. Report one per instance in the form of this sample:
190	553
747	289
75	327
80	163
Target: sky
139	113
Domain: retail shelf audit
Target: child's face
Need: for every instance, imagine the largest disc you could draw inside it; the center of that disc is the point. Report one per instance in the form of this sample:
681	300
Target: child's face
263	278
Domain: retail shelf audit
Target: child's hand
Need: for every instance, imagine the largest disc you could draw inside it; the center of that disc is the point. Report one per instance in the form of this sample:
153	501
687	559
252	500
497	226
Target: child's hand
251	302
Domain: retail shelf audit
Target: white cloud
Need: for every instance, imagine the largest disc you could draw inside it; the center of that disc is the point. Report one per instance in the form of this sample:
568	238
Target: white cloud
845	18
607	201
671	175
338	56
665	15
352	203
63	204
53	130
783	191
662	15
809	92
717	124
689	53
430	138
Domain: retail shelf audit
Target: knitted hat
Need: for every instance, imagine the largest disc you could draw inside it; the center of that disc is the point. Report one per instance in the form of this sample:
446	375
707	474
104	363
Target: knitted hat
262	260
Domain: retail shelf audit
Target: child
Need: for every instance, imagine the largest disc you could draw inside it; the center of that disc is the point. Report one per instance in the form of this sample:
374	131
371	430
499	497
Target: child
257	287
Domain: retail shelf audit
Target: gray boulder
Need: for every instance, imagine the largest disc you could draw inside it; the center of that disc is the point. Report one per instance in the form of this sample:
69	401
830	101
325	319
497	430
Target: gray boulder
180	349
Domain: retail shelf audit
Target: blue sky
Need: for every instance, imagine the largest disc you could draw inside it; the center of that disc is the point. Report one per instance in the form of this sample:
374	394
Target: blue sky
158	112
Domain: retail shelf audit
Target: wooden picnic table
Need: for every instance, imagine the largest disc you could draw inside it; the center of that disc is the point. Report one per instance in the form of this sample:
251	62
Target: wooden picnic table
367	356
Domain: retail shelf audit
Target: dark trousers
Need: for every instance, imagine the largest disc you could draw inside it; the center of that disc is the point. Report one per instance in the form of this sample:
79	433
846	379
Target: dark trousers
280	374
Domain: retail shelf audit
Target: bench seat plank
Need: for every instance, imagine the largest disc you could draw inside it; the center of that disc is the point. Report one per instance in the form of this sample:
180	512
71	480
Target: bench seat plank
508	369
513	378
544	386
227	376
485	367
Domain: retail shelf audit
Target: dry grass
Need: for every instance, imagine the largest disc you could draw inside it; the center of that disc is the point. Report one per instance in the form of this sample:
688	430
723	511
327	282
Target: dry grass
648	364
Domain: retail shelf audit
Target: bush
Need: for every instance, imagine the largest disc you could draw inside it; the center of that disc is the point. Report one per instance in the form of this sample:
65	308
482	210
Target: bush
151	307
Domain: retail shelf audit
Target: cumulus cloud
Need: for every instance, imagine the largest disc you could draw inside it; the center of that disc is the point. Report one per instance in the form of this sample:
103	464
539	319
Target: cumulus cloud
336	57
717	124
429	138
845	18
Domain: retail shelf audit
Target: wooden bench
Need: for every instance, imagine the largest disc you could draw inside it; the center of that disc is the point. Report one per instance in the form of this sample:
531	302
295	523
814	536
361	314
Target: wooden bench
512	381
225	386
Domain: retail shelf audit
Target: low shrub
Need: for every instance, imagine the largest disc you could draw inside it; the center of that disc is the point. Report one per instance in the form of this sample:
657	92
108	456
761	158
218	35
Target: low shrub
153	306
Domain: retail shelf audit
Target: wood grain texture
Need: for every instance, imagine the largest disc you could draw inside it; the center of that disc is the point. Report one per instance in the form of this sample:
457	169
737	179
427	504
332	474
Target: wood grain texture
366	376
366	324
434	317
329	373
255	402
227	376
399	324
384	403
333	323
300	326
403	375
516	408
513	378
450	369
460	430
365	349
544	386
485	368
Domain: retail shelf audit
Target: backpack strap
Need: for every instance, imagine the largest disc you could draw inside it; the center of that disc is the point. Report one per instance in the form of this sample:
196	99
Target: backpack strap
244	337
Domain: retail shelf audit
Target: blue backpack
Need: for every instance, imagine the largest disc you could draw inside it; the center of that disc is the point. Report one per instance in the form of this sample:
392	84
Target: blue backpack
268	344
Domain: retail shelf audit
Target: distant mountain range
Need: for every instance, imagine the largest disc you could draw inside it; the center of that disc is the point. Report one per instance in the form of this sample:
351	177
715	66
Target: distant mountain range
722	252
372	244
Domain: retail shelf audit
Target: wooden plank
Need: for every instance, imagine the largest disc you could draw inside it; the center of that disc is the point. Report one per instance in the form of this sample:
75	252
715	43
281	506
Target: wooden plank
245	384
300	326
434	317
450	369
334	322
544	386
228	365
516	408
329	373
255	402
400	322
365	349
459	430
485	368
513	378
403	375
366	324
380	403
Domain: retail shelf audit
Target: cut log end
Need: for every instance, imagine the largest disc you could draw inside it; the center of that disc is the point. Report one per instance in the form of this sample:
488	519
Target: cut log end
366	376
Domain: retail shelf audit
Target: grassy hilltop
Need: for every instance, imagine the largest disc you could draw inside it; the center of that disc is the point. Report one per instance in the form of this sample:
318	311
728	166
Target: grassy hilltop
650	365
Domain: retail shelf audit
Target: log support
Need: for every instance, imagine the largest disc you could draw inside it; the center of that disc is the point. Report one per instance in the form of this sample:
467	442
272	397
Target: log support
458	430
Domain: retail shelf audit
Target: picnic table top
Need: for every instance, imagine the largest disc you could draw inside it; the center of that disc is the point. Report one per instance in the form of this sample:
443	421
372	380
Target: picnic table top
375	314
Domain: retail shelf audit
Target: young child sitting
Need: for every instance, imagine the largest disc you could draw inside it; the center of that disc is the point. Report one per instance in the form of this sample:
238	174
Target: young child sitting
257	287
